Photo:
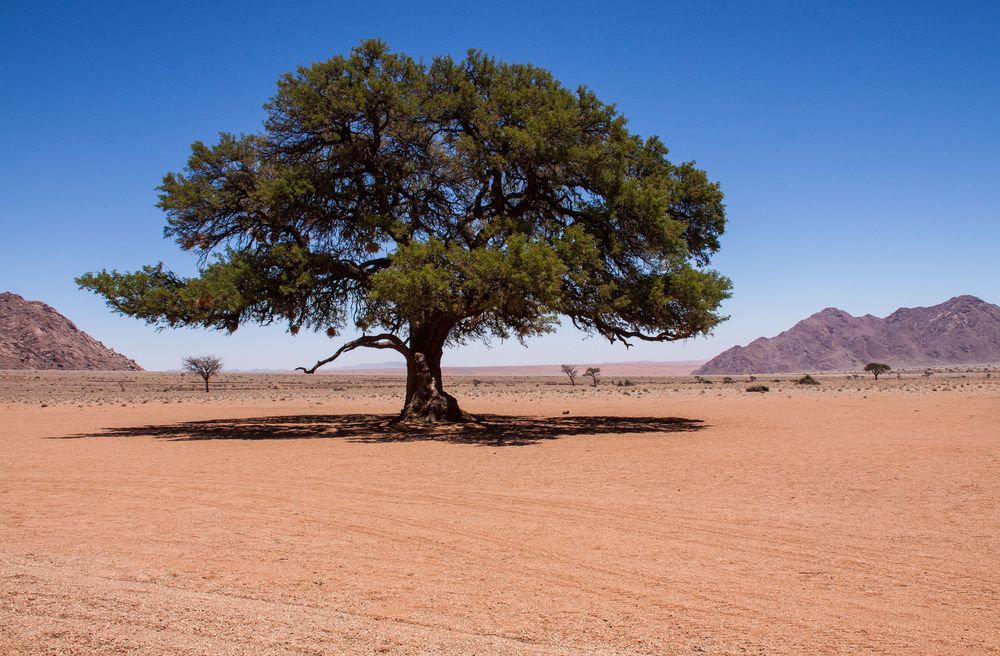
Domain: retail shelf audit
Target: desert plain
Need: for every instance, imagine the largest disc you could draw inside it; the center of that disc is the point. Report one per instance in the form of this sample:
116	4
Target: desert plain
286	514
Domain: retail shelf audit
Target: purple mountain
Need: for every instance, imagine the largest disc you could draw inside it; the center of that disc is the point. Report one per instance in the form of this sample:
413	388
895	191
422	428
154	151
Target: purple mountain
963	330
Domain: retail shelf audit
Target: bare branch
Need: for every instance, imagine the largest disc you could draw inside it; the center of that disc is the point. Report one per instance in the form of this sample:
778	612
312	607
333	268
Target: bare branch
383	341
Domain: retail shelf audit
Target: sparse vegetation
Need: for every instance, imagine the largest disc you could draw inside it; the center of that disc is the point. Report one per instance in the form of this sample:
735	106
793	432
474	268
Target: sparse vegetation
205	366
758	388
106	388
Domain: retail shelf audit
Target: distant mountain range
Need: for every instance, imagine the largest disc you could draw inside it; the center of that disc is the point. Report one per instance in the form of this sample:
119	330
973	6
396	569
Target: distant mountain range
391	364
963	330
35	336
637	368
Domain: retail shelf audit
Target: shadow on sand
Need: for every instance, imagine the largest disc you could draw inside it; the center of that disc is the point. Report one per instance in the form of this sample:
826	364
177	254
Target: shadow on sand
487	430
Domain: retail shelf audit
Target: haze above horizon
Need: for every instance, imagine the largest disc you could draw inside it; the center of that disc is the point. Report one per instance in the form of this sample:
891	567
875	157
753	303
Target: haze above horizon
856	144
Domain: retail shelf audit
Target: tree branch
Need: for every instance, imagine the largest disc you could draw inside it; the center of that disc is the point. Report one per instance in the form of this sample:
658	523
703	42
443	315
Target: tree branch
614	333
383	341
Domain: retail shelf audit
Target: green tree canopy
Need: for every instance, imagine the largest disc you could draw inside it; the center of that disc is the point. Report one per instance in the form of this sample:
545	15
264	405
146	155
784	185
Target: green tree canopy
877	368
434	203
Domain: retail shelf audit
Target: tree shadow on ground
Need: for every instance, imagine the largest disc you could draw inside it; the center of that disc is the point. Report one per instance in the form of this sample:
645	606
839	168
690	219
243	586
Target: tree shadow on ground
487	430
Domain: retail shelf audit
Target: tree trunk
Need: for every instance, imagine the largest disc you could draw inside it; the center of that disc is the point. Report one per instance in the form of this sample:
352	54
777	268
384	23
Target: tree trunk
206	386
426	400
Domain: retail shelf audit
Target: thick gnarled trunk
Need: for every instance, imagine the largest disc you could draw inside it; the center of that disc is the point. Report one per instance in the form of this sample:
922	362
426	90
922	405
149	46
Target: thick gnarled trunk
426	400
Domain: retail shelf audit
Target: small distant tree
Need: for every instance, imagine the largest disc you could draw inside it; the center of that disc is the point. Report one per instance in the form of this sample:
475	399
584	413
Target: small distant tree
877	368
570	371
593	372
205	366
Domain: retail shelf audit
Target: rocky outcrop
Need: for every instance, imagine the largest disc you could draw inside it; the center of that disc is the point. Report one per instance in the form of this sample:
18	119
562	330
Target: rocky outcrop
35	336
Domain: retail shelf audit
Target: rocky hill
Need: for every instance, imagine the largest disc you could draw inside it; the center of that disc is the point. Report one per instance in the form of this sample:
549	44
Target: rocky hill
963	330
35	336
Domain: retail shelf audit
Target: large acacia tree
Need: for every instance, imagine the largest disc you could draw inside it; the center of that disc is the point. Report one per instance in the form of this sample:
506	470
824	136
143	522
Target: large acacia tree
428	204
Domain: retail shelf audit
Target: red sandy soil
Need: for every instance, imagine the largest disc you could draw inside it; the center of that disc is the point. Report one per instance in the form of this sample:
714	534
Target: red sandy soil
671	522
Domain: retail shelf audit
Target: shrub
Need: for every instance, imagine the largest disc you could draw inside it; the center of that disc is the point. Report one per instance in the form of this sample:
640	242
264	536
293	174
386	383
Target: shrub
728	379
759	388
807	380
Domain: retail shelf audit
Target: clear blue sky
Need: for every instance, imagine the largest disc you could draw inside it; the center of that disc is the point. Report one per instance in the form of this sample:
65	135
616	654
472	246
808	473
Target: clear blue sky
858	143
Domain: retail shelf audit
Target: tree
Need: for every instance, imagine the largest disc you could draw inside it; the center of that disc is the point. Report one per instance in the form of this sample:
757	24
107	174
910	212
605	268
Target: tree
593	373
433	204
877	368
205	366
570	371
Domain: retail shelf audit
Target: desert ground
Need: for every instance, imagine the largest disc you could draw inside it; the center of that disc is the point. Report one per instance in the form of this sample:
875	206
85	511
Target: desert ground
285	514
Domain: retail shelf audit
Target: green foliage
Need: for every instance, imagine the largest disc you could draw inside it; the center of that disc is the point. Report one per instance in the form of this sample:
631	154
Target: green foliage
758	388
807	380
877	368
476	196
